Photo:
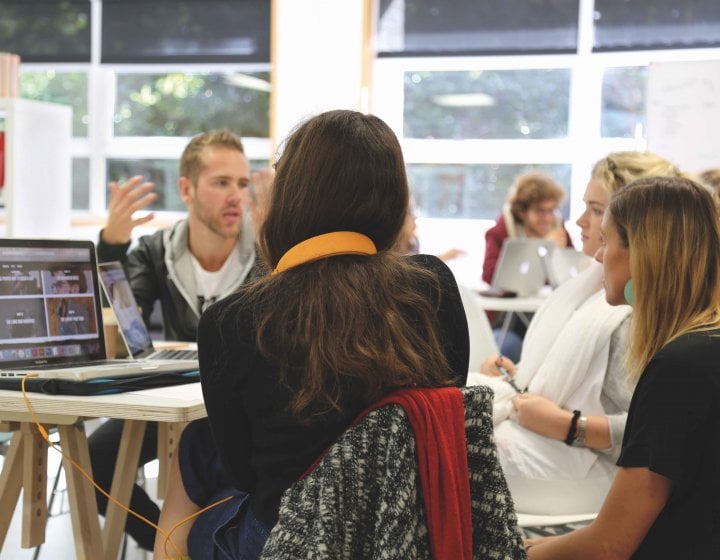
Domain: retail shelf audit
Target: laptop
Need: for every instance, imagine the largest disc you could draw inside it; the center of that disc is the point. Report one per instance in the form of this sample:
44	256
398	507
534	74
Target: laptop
50	315
561	264
519	268
134	333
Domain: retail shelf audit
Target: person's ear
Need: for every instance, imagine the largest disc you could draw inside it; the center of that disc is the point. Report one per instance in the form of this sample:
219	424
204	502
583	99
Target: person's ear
186	189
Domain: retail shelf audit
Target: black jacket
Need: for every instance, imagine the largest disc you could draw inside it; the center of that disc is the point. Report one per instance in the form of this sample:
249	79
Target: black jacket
159	269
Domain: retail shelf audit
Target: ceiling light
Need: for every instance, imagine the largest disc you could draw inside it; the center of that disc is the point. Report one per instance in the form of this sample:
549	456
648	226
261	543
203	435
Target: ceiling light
464	100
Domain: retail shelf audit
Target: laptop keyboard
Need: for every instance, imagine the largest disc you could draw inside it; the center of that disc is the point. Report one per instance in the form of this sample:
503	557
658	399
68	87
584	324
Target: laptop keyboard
175	355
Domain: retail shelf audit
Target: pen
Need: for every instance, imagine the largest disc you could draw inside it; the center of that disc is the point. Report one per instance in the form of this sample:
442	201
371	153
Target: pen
509	379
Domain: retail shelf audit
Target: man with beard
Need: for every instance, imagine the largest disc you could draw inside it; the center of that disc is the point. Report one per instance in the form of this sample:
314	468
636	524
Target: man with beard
187	266
201	258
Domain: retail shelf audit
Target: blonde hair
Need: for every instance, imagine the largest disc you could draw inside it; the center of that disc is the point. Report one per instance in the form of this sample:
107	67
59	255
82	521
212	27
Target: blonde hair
711	177
677	290
619	169
191	161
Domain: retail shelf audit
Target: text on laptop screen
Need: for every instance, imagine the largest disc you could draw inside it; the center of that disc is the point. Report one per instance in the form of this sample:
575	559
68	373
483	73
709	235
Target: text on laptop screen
48	303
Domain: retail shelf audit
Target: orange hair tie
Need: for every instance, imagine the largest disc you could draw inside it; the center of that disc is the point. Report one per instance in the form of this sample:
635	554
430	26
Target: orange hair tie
326	245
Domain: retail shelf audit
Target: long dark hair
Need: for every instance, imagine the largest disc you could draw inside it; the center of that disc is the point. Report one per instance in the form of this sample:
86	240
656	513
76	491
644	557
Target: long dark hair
366	322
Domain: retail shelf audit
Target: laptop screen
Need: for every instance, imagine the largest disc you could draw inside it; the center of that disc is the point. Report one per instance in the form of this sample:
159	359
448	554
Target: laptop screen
49	306
119	294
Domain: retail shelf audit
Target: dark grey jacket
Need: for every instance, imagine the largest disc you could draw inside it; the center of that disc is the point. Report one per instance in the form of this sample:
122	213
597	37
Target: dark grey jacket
159	268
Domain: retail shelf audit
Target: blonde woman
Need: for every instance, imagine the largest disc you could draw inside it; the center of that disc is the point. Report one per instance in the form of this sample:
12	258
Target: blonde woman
559	441
664	501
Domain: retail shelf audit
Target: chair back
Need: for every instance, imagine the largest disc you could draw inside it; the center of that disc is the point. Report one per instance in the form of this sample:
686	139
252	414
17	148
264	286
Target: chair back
482	340
363	500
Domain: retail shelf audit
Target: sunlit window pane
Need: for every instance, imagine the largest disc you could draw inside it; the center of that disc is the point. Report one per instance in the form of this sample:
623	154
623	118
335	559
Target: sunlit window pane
660	24
487	104
471	191
66	88
623	102
181	104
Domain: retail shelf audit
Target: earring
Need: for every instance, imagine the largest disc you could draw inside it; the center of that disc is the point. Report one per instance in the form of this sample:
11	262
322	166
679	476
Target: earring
629	292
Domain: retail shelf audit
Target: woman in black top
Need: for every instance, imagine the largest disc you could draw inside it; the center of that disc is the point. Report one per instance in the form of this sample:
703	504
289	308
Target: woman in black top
661	254
290	360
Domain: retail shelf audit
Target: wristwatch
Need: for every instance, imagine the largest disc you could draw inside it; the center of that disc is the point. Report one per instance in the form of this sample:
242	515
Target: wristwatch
579	440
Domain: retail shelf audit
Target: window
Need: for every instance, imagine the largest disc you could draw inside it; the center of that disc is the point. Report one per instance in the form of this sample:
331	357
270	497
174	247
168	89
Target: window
471	191
186	31
146	105
623	102
46	30
660	24
67	88
487	104
479	92
184	104
441	27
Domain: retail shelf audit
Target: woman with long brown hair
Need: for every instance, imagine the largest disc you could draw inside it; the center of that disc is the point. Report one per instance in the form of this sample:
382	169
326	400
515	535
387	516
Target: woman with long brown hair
341	321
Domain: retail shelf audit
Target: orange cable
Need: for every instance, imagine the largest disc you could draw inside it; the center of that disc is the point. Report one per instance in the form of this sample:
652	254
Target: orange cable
188	518
46	437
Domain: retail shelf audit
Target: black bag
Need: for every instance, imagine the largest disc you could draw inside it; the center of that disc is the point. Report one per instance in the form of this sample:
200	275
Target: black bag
100	386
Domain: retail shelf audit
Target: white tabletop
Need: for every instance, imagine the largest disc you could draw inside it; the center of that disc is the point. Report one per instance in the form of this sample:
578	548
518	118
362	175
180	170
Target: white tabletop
528	304
178	403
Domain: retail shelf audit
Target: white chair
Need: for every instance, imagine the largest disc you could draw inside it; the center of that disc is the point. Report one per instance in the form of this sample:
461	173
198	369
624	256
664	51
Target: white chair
482	341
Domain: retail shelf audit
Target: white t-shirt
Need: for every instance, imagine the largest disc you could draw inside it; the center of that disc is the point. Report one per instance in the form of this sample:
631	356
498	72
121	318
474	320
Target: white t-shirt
209	284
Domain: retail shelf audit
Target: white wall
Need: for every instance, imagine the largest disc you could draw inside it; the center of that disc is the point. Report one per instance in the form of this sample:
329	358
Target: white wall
317	58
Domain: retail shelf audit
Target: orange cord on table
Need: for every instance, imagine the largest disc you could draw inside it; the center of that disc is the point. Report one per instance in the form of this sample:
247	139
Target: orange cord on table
46	437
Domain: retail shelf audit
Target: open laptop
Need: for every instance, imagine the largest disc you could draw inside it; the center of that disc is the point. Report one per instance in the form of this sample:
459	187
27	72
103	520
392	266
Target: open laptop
519	268
130	322
561	264
50	314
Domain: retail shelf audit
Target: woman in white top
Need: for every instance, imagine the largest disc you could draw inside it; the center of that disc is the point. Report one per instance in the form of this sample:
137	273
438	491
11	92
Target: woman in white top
558	442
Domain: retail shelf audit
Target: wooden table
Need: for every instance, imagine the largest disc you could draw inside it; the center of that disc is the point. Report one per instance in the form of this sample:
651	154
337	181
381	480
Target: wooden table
25	465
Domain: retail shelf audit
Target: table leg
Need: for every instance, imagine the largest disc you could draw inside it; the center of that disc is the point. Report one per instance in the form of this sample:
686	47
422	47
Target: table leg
525	317
168	439
504	329
34	516
11	480
81	494
123	481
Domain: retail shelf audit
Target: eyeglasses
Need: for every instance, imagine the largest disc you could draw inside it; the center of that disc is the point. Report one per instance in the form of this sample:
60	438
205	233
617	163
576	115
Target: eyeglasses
543	211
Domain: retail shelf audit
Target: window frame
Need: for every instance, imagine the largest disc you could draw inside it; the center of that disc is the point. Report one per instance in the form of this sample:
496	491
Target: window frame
580	149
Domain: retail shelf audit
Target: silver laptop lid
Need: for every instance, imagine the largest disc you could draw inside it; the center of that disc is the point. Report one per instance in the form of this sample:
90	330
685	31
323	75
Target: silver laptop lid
130	322
561	264
49	303
519	268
